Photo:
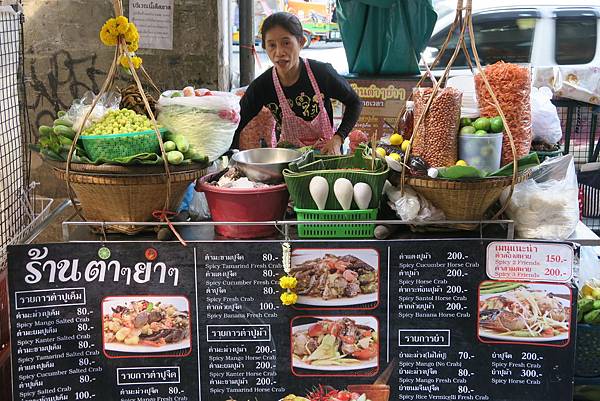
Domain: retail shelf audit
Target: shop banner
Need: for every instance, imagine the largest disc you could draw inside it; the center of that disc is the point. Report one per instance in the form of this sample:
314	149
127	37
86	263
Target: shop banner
385	320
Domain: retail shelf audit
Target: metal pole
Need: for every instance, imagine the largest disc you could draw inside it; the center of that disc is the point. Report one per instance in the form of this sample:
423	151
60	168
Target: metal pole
246	41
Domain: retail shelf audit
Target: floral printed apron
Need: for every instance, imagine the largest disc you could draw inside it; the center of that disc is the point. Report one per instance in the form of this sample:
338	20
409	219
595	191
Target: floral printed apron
296	130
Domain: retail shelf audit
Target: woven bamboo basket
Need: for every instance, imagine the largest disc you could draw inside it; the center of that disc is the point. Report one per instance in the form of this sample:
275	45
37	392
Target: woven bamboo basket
127	194
463	200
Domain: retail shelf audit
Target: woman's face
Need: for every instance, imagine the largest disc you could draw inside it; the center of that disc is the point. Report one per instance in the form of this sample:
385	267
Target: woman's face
283	49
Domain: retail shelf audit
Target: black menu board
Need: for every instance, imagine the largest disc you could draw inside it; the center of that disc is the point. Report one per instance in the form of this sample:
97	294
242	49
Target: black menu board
432	320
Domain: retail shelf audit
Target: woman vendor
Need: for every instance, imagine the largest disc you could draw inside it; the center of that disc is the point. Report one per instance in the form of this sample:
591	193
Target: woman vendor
289	90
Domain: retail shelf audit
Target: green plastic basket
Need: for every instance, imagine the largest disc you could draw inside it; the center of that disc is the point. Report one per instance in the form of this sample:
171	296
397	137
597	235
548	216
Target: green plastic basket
344	230
355	168
109	147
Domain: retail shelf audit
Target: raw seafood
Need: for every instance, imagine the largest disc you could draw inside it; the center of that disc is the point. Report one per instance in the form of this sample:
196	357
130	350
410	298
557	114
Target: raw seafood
333	277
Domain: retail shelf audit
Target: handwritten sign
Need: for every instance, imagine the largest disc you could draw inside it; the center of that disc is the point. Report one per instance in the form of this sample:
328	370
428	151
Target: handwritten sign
154	20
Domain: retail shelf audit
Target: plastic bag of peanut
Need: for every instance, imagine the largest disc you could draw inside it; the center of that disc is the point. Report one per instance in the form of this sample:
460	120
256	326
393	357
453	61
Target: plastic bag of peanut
436	140
512	86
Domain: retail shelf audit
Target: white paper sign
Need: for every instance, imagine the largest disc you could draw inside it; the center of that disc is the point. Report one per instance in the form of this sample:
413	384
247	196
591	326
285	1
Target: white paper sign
154	21
531	261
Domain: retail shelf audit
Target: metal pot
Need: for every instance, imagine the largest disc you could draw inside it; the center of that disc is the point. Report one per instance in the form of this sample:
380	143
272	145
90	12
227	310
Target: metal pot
265	164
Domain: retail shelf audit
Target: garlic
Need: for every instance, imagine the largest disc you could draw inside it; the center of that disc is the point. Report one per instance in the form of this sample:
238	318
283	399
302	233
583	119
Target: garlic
433	172
343	190
319	190
362	195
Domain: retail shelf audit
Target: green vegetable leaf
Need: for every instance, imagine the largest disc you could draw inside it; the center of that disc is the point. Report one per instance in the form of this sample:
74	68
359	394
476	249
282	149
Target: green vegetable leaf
149	307
458	172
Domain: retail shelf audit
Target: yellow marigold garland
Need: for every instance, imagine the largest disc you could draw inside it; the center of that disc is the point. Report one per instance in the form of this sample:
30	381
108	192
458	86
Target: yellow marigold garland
120	26
287	282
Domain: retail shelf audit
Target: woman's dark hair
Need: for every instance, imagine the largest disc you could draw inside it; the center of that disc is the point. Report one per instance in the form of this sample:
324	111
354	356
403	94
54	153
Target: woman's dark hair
287	21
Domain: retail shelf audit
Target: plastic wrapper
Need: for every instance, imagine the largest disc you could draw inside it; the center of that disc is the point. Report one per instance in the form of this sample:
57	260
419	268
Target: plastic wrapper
545	123
208	122
80	107
546	205
436	140
512	86
411	206
588	268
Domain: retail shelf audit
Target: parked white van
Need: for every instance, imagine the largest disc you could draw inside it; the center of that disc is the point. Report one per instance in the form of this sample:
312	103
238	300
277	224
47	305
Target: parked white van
539	32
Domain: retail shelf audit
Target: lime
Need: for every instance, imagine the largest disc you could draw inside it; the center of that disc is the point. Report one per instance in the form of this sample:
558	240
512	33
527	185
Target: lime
468	129
482	123
380	152
404	145
480	132
496	124
461	163
396	139
465	121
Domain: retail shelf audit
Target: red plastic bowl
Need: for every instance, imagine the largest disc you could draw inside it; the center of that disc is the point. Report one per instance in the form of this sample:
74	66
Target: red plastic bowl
230	204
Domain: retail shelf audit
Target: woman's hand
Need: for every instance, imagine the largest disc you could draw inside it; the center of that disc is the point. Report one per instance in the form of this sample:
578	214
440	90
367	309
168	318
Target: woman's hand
332	146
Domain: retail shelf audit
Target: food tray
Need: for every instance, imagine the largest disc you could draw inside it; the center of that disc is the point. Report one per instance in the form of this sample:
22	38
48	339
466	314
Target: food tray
109	147
356	168
334	230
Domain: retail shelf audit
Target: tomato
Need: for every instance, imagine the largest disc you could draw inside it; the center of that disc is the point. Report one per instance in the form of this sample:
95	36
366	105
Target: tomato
365	354
344	396
348	339
316	330
335	329
549	332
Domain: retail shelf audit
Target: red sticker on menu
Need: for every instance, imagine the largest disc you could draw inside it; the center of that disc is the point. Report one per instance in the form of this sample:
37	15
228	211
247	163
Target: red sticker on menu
533	261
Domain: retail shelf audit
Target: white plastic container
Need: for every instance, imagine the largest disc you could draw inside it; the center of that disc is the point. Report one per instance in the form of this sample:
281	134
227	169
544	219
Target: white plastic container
481	151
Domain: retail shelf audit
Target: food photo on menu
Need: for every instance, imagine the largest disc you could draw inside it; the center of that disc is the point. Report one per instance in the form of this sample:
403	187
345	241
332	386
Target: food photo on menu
336	278
335	345
150	325
524	313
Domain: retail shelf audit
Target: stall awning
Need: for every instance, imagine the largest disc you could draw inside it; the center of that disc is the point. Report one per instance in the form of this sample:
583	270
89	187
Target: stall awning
385	36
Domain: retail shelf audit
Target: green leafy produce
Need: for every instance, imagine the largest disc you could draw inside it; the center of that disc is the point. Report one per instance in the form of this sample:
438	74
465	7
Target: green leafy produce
499	287
175	157
181	142
465	122
169	146
44	130
496	124
592	317
458	172
63	121
64	131
120	122
482	123
468	129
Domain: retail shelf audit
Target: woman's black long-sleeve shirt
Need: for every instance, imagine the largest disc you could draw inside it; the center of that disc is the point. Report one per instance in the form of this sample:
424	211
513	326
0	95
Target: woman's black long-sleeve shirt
301	98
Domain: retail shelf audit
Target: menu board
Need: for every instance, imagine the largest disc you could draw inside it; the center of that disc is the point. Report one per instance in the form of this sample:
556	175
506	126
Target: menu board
381	320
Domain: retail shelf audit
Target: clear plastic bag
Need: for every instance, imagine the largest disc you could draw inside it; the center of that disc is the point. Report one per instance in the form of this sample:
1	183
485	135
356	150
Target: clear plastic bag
411	206
546	205
80	107
208	122
545	123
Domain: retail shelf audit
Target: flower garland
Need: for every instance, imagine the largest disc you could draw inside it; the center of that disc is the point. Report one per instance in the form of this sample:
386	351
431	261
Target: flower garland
117	27
287	282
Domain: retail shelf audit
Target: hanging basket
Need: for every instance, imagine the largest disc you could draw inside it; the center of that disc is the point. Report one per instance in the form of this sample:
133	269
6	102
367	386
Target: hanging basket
128	194
463	200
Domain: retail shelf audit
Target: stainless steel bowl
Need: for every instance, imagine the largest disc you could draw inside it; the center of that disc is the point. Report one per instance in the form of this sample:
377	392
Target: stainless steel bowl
265	164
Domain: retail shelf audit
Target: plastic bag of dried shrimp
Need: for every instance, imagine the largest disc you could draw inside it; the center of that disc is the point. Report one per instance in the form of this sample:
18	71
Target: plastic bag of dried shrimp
436	140
511	84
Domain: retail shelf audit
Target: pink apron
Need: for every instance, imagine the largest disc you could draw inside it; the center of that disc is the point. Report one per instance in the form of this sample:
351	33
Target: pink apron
296	130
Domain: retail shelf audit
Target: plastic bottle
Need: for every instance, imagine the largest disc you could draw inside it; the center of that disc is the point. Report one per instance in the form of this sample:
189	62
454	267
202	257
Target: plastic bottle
406	123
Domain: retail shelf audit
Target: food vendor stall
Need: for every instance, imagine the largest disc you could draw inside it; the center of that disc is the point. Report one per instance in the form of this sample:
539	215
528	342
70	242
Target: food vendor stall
393	277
